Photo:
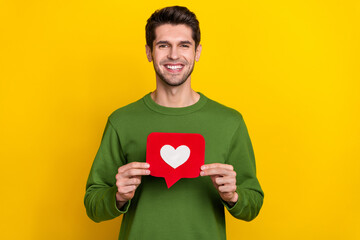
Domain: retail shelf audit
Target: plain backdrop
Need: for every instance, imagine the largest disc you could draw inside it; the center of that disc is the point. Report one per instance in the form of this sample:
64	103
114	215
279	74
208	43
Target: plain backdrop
291	68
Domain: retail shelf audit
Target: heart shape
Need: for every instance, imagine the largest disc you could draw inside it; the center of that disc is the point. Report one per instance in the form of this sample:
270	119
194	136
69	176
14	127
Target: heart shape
175	158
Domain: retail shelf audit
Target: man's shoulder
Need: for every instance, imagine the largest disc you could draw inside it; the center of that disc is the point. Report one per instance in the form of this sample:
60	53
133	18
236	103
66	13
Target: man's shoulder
223	110
128	110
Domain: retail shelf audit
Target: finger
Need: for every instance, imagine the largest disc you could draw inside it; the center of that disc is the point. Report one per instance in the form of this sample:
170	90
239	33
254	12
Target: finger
138	177
138	165
225	180
130	181
126	189
217	171
227	188
213	179
136	172
121	177
125	181
227	196
217	165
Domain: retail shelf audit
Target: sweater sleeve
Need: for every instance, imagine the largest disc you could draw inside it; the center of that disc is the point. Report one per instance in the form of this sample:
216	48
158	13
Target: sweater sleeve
241	156
100	199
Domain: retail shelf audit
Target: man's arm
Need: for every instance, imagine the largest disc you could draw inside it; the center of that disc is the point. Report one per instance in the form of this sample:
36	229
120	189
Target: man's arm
250	194
100	197
236	180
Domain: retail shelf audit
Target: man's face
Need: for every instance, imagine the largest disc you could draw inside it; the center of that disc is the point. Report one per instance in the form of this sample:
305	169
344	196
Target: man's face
173	53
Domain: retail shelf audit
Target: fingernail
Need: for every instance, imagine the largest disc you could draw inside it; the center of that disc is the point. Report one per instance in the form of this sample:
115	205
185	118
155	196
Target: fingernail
147	171
147	165
203	167
202	173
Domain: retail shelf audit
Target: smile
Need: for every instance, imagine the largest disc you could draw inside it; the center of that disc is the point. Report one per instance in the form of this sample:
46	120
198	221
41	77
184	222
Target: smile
174	68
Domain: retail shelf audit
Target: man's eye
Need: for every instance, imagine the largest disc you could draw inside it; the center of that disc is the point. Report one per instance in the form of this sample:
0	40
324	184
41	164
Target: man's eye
162	46
185	46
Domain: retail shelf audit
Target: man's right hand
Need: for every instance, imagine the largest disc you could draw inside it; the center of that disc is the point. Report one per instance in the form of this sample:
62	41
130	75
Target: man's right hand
128	179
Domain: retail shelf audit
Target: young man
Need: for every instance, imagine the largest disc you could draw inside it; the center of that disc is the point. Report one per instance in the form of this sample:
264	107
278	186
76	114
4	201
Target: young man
193	208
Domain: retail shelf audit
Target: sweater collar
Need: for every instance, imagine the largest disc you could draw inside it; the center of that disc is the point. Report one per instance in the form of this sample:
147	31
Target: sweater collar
174	110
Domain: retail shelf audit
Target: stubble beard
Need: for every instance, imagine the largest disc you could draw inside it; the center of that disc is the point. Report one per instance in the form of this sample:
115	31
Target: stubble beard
167	81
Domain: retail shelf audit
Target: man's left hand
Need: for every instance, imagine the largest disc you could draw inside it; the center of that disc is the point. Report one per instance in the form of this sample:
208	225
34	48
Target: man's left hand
223	177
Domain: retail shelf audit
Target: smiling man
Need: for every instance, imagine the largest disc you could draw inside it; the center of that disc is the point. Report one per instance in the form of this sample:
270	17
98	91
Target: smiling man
193	208
173	53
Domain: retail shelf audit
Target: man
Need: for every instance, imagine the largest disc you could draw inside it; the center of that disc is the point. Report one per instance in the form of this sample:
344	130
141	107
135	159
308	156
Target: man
193	208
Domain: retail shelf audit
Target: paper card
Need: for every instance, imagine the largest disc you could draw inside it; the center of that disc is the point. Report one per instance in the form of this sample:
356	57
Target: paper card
175	155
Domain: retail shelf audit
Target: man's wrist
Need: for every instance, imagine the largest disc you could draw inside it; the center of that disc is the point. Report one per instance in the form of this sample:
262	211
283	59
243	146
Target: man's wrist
119	201
119	205
234	199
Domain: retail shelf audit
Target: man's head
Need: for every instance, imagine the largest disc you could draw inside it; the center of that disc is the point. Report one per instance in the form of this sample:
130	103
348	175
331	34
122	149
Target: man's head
173	44
172	15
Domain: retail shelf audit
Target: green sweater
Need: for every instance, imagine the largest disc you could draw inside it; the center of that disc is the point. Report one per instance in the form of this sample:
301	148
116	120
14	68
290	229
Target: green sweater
192	207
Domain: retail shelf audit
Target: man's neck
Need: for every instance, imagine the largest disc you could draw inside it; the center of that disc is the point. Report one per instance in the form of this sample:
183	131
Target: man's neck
175	97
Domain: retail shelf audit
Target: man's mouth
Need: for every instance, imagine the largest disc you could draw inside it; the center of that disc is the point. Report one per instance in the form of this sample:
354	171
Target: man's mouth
174	67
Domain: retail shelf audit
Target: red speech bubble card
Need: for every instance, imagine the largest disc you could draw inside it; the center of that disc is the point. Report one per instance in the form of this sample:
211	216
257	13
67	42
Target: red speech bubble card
175	155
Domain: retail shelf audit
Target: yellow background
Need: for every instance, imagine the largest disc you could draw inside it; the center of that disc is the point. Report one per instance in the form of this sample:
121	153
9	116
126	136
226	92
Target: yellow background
290	67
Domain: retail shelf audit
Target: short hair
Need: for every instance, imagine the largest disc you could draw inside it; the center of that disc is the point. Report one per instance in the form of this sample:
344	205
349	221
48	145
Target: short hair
172	15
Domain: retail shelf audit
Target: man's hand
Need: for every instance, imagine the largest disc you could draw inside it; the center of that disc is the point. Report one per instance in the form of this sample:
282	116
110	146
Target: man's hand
223	177
128	179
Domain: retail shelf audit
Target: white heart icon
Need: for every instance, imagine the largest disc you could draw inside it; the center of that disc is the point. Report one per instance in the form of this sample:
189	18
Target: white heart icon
175	158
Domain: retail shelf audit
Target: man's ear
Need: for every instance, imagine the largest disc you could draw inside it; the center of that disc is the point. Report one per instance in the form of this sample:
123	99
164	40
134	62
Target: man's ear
197	52
148	53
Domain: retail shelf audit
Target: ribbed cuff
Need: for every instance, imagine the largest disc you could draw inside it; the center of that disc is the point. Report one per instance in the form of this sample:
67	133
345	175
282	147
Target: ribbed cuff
226	204
113	204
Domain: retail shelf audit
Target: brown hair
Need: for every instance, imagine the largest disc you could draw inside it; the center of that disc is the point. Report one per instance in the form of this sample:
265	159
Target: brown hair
172	15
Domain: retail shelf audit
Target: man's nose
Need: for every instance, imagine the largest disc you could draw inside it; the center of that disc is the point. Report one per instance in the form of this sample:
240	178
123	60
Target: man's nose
173	53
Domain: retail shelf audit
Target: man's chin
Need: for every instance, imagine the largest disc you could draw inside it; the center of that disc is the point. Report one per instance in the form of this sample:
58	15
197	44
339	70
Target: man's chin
172	82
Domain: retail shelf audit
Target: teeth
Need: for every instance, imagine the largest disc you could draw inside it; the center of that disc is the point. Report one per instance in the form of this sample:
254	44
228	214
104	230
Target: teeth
174	67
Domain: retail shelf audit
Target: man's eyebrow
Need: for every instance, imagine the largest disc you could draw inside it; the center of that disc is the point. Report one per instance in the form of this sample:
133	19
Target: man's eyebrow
167	42
162	42
186	42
